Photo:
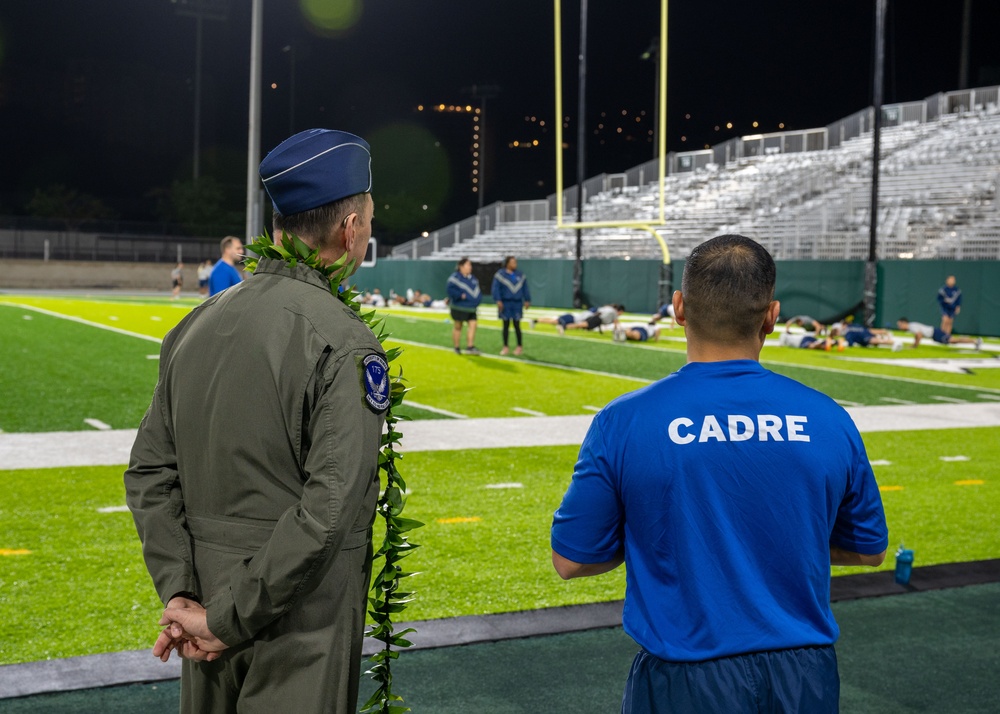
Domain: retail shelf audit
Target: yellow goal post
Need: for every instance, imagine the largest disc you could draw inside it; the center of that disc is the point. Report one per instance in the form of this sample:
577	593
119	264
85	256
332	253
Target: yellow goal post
661	131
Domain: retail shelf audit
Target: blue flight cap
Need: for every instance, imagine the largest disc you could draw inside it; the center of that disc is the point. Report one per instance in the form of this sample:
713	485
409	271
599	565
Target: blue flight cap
316	167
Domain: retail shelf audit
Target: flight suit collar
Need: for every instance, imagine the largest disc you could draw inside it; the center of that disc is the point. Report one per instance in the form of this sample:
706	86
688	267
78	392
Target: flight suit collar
276	266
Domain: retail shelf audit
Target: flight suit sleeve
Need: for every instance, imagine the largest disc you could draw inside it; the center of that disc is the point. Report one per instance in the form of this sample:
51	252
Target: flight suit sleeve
153	495
337	504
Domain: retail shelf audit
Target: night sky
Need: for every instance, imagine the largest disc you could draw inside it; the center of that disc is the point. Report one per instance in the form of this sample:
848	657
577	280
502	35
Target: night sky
99	95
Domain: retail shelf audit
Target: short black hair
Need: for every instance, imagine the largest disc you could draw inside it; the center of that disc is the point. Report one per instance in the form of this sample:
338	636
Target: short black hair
314	226
462	261
506	261
728	285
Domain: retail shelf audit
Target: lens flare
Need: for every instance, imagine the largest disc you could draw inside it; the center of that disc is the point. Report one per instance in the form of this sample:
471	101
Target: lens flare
331	16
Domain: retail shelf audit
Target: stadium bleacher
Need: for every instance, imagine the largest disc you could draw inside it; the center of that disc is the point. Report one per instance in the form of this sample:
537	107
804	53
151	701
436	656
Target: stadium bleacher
937	196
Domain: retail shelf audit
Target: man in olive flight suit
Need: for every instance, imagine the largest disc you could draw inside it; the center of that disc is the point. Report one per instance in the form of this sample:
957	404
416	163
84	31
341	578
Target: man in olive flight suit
254	476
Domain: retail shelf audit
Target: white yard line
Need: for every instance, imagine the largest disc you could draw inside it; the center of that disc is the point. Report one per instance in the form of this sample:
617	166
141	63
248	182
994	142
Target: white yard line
893	400
111	448
529	412
949	400
97	424
435	410
591	408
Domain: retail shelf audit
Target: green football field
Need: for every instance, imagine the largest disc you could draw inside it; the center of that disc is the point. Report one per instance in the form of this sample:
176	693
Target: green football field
72	580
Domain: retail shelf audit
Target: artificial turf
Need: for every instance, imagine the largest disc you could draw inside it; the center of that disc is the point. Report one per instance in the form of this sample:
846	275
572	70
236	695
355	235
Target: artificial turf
81	588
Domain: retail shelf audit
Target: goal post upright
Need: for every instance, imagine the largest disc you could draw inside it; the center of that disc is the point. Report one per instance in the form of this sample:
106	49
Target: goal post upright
661	129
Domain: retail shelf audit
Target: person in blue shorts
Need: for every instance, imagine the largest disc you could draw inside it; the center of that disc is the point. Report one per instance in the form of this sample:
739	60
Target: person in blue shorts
563	321
636	332
224	273
728	491
464	297
949	298
864	336
809	341
511	295
921	331
666	311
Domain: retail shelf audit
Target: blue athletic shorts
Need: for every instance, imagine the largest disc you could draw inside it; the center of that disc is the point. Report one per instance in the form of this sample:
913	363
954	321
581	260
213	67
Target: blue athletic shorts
566	319
643	335
941	336
778	682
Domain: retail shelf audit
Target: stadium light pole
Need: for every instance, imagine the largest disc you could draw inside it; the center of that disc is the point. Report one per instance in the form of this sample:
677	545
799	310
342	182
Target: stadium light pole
581	156
290	49
482	92
254	216
963	64
200	10
871	267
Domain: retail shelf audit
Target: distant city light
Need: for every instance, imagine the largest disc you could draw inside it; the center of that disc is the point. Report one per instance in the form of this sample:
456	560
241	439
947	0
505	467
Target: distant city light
687	116
274	85
729	125
781	125
420	107
684	138
534	142
425	234
755	125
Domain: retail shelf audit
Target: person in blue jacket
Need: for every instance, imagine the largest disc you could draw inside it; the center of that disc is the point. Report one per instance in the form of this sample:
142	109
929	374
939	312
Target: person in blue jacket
512	296
464	296
949	297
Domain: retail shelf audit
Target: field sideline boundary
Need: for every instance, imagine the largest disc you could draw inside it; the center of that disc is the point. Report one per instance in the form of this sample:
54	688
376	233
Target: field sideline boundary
112	448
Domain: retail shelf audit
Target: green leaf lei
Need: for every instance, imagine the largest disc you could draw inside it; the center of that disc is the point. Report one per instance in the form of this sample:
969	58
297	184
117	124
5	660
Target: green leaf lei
387	600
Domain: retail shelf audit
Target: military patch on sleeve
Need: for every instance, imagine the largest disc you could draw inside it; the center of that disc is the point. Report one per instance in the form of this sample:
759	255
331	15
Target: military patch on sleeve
376	382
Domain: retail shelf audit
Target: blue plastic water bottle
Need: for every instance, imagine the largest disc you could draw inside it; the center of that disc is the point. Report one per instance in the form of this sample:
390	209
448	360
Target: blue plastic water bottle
904	565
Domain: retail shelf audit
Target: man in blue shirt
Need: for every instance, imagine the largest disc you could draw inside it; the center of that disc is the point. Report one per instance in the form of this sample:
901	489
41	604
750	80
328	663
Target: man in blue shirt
728	491
464	297
224	273
949	297
511	295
